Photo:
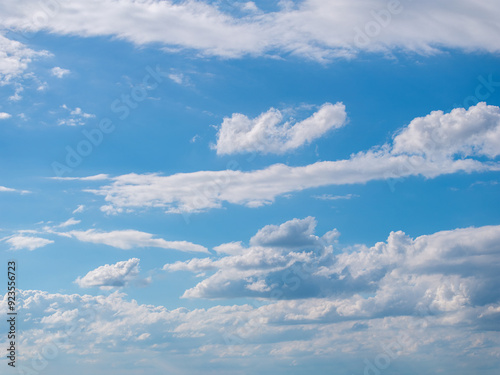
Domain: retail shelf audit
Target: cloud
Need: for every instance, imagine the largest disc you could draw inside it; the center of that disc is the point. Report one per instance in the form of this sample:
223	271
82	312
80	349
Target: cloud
10	190
315	29
177	78
329	197
59	72
427	297
268	134
295	233
111	276
4	115
67	223
15	58
129	239
19	242
423	148
79	209
77	117
444	272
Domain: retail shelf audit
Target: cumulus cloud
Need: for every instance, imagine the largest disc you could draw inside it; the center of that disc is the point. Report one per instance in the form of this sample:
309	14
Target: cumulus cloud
19	242
59	72
295	233
316	29
4	116
111	276
423	148
268	134
444	272
15	58
129	239
426	297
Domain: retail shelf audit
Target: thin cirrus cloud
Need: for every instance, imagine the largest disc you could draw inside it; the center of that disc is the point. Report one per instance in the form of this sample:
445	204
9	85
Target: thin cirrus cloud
316	29
268	134
109	276
129	239
434	145
5	189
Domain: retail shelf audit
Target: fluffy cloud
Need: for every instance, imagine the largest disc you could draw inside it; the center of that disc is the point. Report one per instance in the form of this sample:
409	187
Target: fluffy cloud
292	234
317	29
419	301
128	239
110	276
19	242
430	146
445	271
15	58
267	133
4	116
59	72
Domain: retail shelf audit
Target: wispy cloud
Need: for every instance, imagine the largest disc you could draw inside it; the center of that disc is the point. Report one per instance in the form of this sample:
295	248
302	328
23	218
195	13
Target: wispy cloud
129	239
59	72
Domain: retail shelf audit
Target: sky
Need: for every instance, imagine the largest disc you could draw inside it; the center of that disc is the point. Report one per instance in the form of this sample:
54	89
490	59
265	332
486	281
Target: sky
251	187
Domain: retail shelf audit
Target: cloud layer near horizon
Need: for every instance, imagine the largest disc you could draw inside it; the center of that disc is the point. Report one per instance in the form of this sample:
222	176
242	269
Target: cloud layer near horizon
327	303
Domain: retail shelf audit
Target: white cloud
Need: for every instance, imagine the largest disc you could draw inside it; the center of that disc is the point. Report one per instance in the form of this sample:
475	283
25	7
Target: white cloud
461	151
177	78
59	72
77	117
79	209
19	242
15	58
329	197
10	190
111	276
129	239
4	115
317	29
68	223
296	233
268	134
444	272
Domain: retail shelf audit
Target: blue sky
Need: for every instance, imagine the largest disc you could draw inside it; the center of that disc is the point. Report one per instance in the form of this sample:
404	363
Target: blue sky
260	187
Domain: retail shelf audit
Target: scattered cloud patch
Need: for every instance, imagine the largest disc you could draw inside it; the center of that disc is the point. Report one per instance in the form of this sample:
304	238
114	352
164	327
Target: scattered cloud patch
59	72
4	116
11	190
77	117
